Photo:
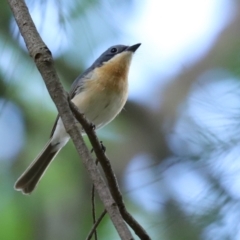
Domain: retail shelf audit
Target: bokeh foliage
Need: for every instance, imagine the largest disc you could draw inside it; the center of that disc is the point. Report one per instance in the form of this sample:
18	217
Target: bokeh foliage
183	152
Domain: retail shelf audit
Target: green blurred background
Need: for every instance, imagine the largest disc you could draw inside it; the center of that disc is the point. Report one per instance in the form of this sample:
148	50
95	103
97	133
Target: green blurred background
174	147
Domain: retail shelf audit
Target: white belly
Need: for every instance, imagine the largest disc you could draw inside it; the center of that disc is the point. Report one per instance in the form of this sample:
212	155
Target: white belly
99	109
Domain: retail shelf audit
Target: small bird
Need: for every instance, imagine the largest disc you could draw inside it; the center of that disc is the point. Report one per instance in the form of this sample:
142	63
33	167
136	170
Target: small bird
100	93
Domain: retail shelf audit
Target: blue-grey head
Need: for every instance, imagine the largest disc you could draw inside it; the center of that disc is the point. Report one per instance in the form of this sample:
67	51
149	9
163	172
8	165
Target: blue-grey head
115	51
115	60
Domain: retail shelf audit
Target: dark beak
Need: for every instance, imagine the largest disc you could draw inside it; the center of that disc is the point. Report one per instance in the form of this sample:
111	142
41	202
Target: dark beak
133	48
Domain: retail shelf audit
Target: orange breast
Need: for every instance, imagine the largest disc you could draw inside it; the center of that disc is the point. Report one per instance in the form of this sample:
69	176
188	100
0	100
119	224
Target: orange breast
112	76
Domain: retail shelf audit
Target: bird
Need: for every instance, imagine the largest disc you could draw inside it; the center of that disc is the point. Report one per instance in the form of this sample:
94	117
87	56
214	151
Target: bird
100	93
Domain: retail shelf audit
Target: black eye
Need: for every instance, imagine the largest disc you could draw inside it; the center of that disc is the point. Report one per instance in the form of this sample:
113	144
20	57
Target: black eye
113	50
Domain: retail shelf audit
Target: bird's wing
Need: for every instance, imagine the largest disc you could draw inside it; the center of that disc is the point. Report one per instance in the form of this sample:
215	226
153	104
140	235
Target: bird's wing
78	84
76	88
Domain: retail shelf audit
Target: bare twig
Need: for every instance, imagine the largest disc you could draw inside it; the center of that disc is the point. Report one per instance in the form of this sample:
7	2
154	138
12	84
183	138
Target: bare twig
93	210
96	225
44	62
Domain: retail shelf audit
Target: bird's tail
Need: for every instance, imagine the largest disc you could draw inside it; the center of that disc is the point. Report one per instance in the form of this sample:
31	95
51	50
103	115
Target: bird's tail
30	178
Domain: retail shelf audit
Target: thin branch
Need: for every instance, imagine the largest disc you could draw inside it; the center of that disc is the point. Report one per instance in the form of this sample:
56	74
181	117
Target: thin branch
96	225
110	176
93	210
44	62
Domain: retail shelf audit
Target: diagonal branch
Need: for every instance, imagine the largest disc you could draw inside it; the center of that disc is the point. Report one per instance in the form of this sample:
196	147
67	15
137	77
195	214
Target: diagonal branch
44	62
